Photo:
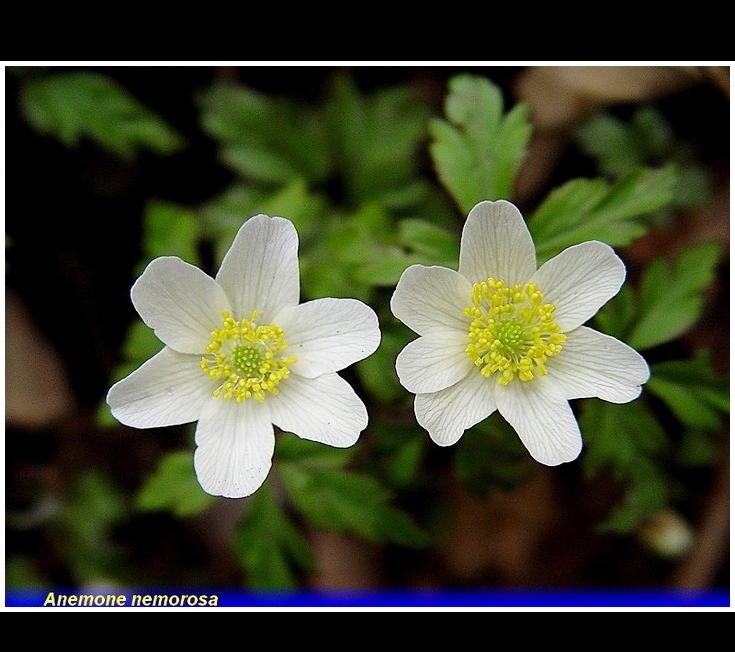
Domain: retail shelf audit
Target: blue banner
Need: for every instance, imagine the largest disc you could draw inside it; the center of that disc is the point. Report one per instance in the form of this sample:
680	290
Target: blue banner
211	597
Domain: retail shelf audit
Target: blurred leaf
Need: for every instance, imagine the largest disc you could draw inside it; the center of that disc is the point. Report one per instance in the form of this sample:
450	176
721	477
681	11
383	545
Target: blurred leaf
376	139
478	150
344	501
619	437
265	139
398	451
292	449
174	487
21	572
692	391
645	140
647	494
670	299
432	245
226	213
491	456
267	545
592	209
170	230
628	441
620	146
92	507
76	105
377	372
617	316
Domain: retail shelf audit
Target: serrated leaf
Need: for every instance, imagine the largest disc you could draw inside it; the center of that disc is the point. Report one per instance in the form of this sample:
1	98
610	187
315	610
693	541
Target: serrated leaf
592	209
627	440
76	105
478	150
173	487
619	437
267	545
691	390
266	139
347	502
671	298
375	139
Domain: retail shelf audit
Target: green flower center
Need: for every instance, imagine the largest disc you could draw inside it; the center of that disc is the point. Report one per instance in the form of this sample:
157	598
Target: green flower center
246	359
512	333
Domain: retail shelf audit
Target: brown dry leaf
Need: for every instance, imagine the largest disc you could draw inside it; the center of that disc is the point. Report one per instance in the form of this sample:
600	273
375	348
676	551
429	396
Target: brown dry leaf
37	392
559	96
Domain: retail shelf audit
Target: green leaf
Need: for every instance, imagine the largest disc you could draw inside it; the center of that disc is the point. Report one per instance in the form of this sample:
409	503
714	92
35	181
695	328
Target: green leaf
267	545
432	244
226	213
692	391
490	456
628	441
347	502
76	105
592	209
82	532
478	150
170	230
292	449
173	487
265	139
376	142
620	437
670	299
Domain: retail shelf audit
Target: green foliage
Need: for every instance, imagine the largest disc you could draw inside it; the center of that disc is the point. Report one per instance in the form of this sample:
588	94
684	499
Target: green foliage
76	105
334	498
92	507
265	139
490	457
170	230
668	301
173	487
691	390
268	546
628	441
646	139
478	150
375	140
593	209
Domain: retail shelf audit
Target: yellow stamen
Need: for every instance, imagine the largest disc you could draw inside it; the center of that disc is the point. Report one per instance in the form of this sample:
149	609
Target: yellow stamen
511	332
246	359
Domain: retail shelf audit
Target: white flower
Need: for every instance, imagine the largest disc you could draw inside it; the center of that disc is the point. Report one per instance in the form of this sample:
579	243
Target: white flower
241	354
500	334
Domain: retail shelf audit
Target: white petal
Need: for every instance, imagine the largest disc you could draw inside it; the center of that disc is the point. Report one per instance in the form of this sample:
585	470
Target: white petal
496	243
235	443
327	335
544	422
595	364
261	269
430	298
166	390
180	303
324	409
434	362
579	281
448	413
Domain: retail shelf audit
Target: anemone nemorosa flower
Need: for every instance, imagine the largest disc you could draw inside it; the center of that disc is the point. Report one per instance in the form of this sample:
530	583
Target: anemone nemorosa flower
501	335
242	354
